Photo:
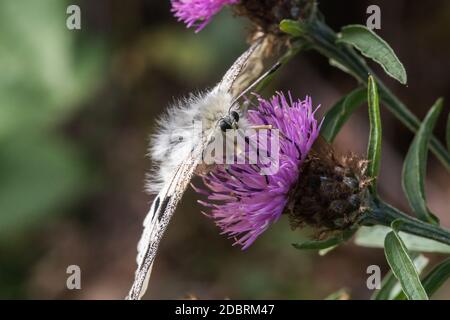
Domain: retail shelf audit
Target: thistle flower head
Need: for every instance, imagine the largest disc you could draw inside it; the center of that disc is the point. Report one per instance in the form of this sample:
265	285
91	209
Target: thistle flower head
198	13
245	203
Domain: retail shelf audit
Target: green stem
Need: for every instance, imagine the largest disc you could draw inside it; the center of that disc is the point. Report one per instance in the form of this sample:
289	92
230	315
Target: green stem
382	213
323	39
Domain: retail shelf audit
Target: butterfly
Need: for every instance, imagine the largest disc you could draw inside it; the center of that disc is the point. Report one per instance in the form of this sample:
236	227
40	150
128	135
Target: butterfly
178	149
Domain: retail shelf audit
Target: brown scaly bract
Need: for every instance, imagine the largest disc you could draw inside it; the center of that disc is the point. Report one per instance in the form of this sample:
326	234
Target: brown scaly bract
331	193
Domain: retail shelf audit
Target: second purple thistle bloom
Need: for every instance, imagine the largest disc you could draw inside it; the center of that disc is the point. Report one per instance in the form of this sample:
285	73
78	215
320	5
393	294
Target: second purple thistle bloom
198	13
245	203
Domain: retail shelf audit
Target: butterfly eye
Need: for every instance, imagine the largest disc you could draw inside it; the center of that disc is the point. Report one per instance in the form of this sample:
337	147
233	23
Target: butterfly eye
235	115
224	125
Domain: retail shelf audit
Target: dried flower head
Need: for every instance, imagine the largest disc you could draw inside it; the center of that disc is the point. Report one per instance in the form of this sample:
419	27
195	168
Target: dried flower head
245	203
198	13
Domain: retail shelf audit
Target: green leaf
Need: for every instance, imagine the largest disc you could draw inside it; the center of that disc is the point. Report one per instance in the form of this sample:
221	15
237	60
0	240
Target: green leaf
373	237
402	266
414	168
339	114
390	287
325	244
317	245
375	136
420	262
375	48
291	27
436	278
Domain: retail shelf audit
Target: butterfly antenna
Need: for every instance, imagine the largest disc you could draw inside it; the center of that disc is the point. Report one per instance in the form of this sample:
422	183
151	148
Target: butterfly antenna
257	81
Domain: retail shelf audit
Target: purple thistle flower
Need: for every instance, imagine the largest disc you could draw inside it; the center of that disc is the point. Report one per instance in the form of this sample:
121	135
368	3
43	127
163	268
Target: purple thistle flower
198	13
246	202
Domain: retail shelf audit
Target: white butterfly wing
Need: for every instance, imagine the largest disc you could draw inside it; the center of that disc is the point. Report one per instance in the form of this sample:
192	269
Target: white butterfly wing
166	201
159	216
245	69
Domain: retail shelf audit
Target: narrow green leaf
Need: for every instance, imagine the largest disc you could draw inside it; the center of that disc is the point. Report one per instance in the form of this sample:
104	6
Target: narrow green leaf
395	225
414	167
324	244
317	245
375	48
339	114
448	133
436	278
390	287
420	262
373	237
402	266
374	147
291	27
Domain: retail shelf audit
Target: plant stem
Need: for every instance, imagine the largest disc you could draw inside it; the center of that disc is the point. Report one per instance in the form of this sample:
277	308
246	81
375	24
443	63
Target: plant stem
323	39
382	213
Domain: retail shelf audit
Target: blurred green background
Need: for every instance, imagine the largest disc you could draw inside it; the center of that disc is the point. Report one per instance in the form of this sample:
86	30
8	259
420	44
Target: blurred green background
76	109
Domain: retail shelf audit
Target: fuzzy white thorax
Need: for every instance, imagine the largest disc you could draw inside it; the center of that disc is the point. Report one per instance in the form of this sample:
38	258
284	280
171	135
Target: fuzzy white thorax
178	132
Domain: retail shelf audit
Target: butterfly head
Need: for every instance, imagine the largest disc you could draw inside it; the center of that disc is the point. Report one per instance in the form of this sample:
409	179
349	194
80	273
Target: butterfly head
230	121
